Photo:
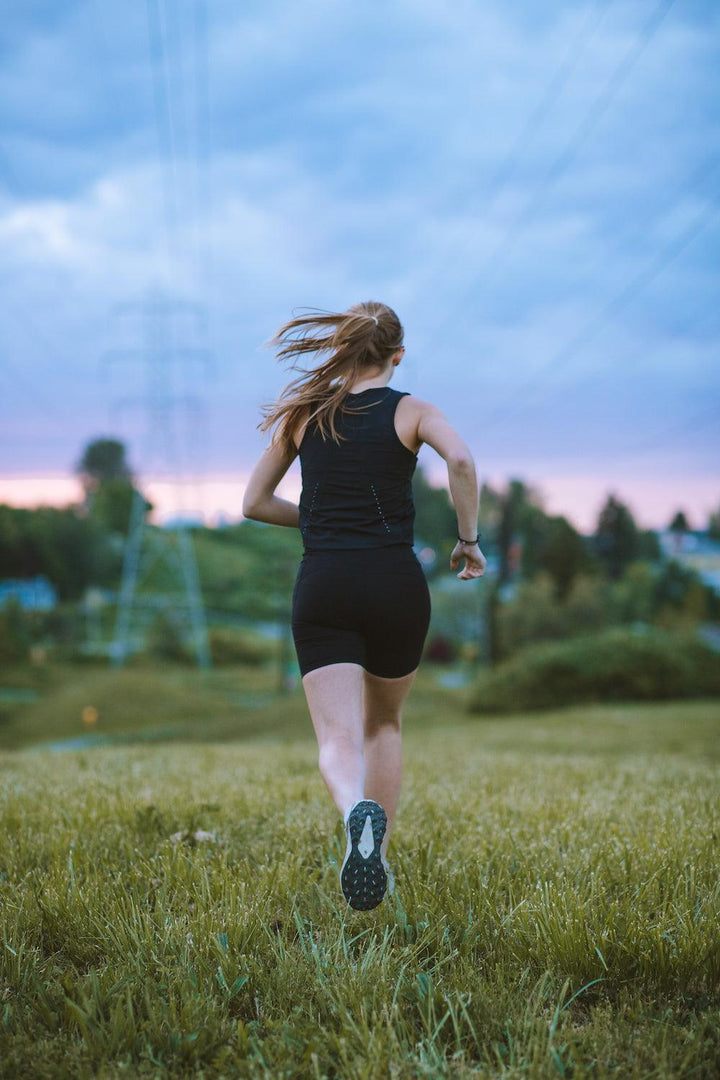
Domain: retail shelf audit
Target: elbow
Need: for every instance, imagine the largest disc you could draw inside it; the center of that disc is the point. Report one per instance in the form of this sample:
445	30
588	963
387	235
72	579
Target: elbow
249	509
461	463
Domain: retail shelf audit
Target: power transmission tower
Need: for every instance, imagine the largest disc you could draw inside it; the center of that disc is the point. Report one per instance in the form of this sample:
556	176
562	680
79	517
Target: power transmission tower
160	577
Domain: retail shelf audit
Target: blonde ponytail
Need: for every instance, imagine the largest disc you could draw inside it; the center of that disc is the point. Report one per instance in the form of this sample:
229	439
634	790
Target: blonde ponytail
358	340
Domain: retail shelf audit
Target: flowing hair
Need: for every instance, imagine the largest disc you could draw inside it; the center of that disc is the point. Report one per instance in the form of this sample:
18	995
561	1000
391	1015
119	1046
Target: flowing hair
358	340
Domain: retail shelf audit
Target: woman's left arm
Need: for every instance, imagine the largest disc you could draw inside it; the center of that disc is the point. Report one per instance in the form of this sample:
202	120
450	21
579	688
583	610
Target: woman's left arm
260	502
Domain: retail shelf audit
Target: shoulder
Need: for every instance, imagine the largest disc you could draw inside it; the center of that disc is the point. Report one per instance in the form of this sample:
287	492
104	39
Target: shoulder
300	426
419	406
412	415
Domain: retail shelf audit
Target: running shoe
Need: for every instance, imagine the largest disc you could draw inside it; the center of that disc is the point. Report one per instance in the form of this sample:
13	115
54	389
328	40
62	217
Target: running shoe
363	876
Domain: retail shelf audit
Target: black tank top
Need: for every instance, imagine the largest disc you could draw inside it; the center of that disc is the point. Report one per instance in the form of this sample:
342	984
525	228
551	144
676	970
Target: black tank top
358	493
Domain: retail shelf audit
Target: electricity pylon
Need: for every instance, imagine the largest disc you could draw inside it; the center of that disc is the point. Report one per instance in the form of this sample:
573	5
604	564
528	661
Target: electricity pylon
173	590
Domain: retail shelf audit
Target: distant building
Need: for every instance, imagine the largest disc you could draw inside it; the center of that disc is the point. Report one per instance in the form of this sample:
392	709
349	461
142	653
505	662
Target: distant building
190	520
695	550
33	594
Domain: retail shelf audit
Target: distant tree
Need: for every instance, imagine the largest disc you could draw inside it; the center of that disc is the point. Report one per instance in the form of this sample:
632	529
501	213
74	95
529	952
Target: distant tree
617	539
648	545
679	523
563	553
713	526
112	504
679	528
491	507
435	518
520	512
65	546
507	532
103	459
107	480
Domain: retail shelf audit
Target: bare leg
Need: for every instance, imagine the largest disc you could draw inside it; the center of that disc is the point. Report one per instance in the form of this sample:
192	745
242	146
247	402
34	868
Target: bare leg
383	705
334	695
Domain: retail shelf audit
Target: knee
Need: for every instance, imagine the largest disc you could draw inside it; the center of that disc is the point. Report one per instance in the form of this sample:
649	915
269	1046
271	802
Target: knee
338	743
382	724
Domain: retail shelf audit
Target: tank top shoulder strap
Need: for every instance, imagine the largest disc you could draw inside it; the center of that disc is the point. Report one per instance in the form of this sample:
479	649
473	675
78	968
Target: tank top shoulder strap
391	400
385	422
384	410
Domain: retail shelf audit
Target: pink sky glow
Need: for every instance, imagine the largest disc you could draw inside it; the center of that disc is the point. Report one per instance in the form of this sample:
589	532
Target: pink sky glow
652	499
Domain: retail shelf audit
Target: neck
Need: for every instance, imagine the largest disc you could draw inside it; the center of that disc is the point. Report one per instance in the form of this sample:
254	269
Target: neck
358	388
369	384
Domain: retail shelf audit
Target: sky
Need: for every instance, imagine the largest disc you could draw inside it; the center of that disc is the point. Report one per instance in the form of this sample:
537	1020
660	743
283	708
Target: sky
532	187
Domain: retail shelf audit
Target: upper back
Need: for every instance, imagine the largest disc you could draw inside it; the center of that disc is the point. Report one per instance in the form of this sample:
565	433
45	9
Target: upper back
358	492
392	412
368	436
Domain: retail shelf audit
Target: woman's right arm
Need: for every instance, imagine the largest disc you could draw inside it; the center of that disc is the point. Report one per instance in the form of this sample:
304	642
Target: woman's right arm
435	430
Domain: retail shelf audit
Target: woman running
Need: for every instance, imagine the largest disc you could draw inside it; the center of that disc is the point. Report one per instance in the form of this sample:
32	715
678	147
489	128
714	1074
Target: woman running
361	605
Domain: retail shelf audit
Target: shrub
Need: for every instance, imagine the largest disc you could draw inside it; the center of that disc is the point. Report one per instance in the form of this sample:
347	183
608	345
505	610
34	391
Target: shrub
619	663
228	646
166	641
15	636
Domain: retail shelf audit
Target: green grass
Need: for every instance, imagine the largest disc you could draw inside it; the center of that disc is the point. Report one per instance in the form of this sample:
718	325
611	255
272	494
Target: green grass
154	701
556	910
148	700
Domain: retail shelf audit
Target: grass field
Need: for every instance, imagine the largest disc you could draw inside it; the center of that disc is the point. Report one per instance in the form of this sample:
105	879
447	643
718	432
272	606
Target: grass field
556	909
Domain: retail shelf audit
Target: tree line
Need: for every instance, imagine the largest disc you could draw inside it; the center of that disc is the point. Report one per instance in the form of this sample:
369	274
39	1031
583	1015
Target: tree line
81	545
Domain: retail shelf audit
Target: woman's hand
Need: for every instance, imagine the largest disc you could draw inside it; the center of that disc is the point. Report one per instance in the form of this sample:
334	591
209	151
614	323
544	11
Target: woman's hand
474	560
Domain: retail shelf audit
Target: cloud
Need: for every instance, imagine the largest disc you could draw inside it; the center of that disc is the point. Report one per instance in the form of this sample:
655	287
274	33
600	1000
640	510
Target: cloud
353	153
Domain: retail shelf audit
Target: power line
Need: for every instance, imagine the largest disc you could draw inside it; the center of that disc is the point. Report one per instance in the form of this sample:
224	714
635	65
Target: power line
552	93
691	323
659	440
180	90
193	145
180	137
183	129
163	360
593	116
707	416
534	120
203	142
514	404
640	226
163	119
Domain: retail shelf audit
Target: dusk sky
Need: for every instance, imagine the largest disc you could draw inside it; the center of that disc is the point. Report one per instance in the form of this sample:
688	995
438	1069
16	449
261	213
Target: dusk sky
535	189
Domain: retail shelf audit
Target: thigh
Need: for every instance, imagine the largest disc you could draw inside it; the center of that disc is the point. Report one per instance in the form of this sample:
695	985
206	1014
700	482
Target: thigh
335	699
384	700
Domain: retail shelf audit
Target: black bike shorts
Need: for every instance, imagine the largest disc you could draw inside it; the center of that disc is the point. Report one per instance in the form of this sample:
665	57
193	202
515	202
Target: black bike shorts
368	606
